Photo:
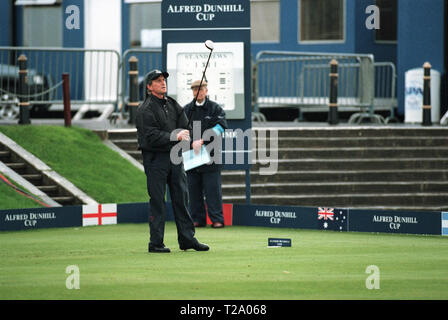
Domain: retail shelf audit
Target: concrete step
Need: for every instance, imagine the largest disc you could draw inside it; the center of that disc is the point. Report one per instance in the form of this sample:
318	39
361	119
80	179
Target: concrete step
51	190
136	154
4	154
65	200
33	178
356	167
22	166
122	134
349	200
354	131
324	132
19	167
354	164
436	145
235	177
258	200
328	188
130	143
296	154
126	144
355	152
344	142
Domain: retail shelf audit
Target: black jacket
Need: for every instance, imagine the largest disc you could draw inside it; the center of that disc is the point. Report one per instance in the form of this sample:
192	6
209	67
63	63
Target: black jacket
155	120
210	114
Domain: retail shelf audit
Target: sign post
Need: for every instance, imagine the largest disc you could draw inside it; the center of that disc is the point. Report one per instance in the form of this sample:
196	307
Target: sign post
185	28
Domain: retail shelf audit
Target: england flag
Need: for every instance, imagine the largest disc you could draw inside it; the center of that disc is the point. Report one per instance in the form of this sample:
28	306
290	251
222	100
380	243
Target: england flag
97	215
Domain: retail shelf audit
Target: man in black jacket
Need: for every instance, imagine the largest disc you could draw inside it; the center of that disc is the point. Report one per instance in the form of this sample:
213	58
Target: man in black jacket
157	119
206	179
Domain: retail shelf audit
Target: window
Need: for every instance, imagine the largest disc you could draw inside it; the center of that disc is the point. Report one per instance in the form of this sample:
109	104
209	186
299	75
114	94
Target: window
146	24
388	20
42	26
265	20
321	20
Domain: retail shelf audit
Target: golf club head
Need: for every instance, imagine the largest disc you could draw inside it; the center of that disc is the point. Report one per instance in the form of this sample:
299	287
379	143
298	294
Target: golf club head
209	44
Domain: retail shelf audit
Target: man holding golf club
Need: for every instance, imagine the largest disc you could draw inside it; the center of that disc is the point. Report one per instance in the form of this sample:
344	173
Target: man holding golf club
207	177
205	180
157	118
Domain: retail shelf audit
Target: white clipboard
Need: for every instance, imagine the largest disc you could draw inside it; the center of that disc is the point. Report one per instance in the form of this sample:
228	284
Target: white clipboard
192	160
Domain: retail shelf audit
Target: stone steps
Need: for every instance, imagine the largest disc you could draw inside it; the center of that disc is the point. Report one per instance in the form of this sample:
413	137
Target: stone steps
397	200
235	177
323	188
353	142
356	152
353	131
396	168
27	171
343	164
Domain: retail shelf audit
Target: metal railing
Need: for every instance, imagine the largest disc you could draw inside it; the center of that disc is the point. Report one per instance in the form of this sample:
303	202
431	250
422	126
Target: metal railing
301	80
280	78
94	75
148	59
385	87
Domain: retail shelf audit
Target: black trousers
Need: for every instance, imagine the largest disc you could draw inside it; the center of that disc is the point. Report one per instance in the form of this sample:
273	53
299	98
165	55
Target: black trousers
205	185
160	172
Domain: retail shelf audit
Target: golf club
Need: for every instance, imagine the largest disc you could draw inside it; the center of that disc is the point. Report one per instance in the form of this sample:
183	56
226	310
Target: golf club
209	45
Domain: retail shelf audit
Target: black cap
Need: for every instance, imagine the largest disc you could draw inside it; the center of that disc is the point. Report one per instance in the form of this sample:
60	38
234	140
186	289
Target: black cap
154	74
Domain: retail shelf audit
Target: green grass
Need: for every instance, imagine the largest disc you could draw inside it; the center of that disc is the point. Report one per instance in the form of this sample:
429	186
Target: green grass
114	264
80	156
10	199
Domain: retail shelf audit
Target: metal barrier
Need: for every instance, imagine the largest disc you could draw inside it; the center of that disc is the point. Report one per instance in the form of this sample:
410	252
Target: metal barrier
384	95
148	59
94	77
280	79
301	80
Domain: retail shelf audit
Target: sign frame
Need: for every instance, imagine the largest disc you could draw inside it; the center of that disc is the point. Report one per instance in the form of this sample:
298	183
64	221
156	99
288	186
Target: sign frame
219	21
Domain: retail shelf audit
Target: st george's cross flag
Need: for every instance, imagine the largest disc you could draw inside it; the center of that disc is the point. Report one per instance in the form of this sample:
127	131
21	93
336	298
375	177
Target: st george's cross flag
97	215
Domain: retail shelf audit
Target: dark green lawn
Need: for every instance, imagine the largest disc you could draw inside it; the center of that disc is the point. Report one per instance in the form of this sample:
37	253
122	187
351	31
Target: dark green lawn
113	263
79	155
10	199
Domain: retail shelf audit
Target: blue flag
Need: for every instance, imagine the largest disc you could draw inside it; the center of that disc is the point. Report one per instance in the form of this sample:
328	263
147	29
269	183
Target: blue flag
332	219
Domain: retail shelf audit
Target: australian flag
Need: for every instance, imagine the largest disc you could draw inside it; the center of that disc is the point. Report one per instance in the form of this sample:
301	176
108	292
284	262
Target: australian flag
332	219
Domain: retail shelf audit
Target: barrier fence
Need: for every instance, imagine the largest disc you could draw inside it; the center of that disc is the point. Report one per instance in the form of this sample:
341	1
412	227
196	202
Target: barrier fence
301	80
148	59
280	79
94	75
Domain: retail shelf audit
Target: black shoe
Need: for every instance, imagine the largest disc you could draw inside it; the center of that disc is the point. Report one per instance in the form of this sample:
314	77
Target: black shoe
158	249
198	225
196	246
217	225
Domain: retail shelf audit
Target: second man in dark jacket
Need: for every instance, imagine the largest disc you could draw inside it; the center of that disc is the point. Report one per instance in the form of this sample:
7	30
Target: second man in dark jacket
204	182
